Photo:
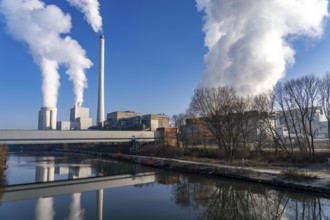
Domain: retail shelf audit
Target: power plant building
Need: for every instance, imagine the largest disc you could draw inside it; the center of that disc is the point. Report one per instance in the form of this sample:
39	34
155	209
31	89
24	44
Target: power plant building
47	118
153	121
79	120
123	120
130	120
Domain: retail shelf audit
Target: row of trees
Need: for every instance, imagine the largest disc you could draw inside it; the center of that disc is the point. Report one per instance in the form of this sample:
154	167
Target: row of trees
237	122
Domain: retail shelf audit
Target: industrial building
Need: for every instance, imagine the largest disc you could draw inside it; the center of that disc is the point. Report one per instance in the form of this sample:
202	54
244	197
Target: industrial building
79	116
130	120
119	120
153	121
47	118
293	124
79	120
123	120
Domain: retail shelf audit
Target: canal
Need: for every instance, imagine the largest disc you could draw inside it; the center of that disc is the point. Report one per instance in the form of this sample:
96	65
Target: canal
77	186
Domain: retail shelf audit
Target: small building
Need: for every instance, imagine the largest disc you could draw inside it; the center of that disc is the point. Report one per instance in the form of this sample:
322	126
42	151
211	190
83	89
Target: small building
168	136
63	125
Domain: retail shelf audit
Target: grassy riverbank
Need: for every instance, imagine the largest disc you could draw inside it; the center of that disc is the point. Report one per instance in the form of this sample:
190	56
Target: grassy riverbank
313	180
263	166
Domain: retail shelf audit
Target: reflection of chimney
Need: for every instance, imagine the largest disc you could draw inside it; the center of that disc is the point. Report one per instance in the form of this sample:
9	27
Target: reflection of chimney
100	106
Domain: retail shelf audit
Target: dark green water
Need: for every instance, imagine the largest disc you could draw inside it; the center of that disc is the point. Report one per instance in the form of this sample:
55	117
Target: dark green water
170	195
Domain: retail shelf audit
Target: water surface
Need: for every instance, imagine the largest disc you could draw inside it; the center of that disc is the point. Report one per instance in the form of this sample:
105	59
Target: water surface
170	195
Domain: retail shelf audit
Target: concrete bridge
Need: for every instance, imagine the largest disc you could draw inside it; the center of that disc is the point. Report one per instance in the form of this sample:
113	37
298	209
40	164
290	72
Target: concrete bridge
83	136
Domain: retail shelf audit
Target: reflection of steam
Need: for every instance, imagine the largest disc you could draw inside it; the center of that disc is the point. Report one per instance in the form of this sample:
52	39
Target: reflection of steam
76	212
44	209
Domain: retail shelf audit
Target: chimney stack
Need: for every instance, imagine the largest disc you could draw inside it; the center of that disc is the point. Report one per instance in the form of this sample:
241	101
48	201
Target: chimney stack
100	106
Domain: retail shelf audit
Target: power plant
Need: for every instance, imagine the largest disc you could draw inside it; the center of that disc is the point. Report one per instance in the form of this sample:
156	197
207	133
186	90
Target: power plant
80	119
79	116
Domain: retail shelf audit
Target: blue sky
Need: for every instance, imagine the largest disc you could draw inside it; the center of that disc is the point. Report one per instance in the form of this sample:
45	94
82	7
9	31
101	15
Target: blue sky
154	61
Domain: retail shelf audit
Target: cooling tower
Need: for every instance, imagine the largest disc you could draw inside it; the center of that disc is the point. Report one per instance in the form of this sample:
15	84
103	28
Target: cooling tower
100	106
47	118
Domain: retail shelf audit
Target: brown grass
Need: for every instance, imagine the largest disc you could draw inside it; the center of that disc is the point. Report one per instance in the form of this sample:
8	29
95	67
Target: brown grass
293	173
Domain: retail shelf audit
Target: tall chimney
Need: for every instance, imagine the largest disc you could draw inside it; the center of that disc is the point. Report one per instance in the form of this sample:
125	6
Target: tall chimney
100	106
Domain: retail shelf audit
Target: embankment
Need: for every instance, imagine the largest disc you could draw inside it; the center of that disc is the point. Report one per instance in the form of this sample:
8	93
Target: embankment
266	175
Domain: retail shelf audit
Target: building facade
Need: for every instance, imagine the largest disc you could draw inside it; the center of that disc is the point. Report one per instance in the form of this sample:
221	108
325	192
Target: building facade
79	120
130	120
151	122
291	123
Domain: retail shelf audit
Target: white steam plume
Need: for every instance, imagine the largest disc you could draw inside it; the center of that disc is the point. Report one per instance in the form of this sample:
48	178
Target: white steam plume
40	26
90	8
249	41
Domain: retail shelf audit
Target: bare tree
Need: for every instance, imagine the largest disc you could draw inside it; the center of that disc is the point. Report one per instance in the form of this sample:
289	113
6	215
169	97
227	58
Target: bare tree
199	132
324	90
275	118
249	124
223	112
179	121
296	102
303	94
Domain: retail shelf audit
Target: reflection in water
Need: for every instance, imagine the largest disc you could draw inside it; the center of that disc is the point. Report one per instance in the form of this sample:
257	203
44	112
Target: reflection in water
76	212
99	200
198	197
237	200
45	172
45	209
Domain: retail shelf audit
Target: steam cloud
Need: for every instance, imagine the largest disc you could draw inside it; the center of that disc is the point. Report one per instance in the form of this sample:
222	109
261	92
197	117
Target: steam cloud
90	8
249	41
40	26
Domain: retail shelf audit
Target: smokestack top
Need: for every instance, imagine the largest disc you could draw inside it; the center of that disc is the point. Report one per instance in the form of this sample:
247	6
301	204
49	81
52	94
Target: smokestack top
101	36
